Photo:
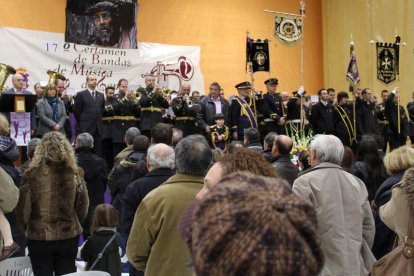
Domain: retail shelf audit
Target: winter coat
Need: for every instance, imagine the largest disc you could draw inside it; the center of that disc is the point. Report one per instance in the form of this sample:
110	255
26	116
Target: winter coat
345	221
123	174
136	192
366	121
111	260
9	196
384	237
285	168
360	170
46	209
207	111
396	212
321	118
154	244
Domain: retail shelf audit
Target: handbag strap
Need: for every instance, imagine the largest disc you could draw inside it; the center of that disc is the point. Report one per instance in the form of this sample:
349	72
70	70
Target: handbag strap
102	252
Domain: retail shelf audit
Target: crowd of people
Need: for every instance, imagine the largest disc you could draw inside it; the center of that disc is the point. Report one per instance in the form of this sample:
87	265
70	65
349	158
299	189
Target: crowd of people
205	185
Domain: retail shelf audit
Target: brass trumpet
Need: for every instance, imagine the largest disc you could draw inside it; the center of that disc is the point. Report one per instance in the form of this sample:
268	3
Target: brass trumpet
54	76
5	71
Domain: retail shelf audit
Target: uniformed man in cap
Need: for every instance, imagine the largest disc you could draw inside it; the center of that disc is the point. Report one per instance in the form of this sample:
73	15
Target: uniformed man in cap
245	109
275	121
152	105
126	110
383	124
294	111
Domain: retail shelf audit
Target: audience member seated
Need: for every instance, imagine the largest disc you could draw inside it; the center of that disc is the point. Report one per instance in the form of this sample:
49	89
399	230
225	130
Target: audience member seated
177	137
252	139
125	172
233	146
283	166
51	208
95	175
396	163
162	133
130	135
345	222
348	159
369	166
268	145
254	225
154	244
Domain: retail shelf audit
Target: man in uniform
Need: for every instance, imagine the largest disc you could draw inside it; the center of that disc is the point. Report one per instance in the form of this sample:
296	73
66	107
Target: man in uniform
108	127
126	111
365	114
152	103
244	110
185	115
276	121
398	137
383	124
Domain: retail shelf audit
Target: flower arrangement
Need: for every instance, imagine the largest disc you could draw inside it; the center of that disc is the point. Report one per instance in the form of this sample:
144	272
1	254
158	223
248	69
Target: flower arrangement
301	143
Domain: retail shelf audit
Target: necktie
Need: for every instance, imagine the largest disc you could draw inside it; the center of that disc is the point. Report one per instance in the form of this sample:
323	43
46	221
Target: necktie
94	95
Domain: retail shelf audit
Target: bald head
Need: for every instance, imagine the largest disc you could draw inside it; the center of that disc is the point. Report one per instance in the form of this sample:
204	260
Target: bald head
186	88
284	96
160	156
282	145
18	81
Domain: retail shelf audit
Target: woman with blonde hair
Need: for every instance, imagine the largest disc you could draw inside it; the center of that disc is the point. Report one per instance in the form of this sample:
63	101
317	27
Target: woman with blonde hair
53	203
51	111
396	163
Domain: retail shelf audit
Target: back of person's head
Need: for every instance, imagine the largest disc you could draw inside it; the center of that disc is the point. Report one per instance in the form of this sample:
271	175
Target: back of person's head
54	151
328	148
141	143
399	160
177	136
161	133
234	145
217	154
269	140
252	135
84	140
31	147
379	140
104	215
130	135
4	126
245	159
161	156
348	159
367	149
193	156
223	241
283	144
304	161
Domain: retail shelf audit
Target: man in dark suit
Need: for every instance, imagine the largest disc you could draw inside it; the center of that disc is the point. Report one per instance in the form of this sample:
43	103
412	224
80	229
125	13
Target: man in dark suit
88	110
321	114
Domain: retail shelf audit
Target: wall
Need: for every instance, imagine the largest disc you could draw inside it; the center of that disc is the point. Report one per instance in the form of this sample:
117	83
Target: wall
367	20
219	27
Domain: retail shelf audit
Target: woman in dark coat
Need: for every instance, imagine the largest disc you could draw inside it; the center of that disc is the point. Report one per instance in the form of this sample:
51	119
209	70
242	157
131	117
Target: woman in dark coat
51	111
396	163
51	206
410	108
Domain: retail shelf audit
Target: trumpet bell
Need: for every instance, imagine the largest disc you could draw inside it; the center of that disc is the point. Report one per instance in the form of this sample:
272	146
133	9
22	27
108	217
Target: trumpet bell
54	76
5	71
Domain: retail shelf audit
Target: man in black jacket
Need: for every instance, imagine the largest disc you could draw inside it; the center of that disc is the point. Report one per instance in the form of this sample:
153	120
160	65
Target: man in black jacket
88	110
398	137
365	115
321	114
209	106
95	170
283	165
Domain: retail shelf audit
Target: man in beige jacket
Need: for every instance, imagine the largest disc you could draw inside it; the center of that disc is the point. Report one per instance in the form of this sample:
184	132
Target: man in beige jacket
345	222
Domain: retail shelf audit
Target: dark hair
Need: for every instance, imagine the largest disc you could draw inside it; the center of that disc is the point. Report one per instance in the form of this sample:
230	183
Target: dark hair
141	143
104	215
162	133
108	88
270	138
252	135
245	159
193	155
348	159
341	95
283	148
37	83
304	161
384	91
234	145
330	90
177	136
364	91
320	91
47	88
216	84
121	80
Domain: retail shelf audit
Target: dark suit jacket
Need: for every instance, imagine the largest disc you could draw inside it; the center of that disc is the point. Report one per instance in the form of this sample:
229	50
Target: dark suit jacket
88	112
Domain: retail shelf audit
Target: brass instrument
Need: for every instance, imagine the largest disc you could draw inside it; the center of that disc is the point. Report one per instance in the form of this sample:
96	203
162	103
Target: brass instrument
5	71
164	92
54	76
